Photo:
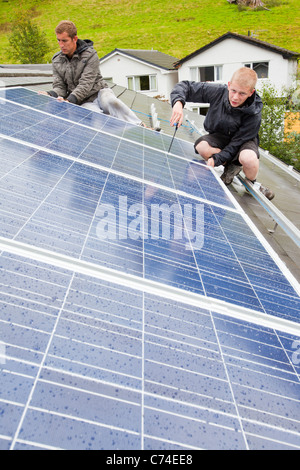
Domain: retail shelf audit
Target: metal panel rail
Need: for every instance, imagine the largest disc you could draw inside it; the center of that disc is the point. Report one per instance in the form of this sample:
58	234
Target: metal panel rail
275	213
289	169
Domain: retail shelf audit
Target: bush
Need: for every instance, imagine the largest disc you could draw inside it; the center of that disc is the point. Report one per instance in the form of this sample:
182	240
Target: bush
289	150
27	44
274	134
273	112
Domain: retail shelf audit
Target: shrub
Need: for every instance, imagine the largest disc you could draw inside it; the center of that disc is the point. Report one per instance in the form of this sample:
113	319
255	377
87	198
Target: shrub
275	133
27	44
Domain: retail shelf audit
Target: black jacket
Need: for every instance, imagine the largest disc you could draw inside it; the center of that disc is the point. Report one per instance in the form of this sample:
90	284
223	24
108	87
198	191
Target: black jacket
238	124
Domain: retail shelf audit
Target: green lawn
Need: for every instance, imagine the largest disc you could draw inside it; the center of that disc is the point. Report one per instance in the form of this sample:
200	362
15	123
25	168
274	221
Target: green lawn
174	28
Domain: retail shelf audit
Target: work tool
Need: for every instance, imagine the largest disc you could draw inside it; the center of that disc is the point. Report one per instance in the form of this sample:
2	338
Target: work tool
176	127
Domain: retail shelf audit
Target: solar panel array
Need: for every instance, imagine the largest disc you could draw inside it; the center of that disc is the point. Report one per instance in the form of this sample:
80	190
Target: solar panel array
139	307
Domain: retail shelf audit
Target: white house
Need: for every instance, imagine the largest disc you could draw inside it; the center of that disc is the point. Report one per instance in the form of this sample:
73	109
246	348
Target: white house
149	72
217	61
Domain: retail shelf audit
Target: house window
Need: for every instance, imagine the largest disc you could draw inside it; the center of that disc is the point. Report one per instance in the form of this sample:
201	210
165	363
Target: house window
211	73
142	83
206	74
194	74
202	110
218	72
261	68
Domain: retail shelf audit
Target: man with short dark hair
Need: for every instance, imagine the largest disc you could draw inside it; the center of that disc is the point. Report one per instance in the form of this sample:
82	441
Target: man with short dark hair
77	77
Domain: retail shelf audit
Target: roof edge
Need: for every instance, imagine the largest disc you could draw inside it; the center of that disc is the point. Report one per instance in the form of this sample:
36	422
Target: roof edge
126	53
286	54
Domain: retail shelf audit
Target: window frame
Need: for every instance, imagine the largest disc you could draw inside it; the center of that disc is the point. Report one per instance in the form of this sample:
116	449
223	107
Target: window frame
134	82
195	73
252	65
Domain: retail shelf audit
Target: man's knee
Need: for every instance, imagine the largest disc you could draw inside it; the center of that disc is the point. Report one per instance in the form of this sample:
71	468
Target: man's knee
248	158
250	163
106	98
204	149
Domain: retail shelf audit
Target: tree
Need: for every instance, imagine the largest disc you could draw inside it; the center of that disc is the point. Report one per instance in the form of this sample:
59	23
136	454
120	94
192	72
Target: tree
27	44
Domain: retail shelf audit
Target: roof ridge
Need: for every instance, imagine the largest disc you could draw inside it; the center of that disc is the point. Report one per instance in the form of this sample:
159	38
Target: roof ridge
150	56
284	52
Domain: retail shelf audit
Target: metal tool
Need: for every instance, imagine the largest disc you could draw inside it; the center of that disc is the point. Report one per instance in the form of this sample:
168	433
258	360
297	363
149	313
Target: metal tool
176	127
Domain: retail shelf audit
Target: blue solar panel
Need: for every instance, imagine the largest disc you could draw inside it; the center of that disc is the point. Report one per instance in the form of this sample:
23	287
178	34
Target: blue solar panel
139	309
112	126
94	365
69	138
43	195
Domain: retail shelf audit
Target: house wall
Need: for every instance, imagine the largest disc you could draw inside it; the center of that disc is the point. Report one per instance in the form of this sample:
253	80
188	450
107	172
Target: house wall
118	67
232	54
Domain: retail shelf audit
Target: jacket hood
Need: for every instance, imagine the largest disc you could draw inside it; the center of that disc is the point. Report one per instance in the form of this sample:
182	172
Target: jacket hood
83	44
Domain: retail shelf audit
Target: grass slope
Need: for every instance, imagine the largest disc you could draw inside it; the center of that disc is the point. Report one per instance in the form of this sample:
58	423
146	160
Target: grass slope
174	28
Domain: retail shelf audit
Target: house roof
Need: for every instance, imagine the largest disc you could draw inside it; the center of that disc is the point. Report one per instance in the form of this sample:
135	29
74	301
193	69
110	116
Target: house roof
152	57
286	54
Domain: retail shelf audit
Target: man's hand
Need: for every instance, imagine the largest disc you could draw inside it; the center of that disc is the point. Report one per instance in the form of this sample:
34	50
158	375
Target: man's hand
211	162
59	98
177	114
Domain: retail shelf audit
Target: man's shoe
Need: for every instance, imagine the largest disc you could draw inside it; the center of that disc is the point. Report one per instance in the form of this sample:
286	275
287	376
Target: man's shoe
267	192
230	172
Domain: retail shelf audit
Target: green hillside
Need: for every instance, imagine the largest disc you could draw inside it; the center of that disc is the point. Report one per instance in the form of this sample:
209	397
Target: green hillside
176	28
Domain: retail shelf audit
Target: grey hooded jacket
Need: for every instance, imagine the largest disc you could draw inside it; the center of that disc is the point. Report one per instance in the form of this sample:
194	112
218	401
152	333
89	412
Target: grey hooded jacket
77	79
239	125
